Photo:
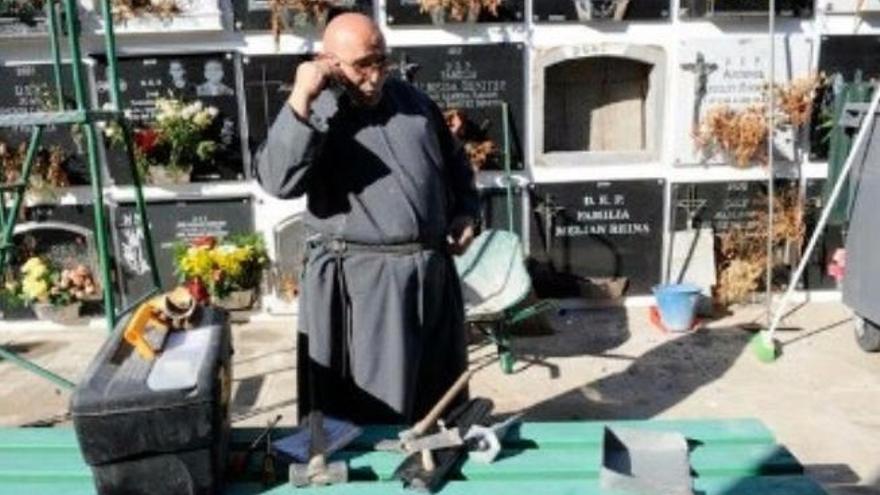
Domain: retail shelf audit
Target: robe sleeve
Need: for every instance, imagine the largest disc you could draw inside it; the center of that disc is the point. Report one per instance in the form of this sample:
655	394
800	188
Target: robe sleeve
293	148
462	184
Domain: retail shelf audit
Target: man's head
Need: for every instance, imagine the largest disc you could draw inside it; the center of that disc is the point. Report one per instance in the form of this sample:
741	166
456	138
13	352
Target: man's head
214	71
354	44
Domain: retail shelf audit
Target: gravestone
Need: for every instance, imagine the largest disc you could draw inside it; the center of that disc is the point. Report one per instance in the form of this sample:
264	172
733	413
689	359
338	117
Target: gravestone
23	18
268	80
600	10
290	238
255	15
170	222
31	88
410	12
495	210
63	235
739	8
595	239
207	77
475	79
732	71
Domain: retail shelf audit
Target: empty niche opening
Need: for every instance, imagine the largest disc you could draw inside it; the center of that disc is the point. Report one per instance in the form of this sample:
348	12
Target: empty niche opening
597	104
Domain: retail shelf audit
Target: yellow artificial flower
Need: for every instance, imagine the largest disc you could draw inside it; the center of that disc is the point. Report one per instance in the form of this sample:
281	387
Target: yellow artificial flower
35	289
34	267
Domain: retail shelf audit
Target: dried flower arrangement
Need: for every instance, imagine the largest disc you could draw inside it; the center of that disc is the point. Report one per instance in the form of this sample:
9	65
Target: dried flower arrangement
795	100
128	9
744	248
742	133
459	10
310	11
739	133
479	149
47	171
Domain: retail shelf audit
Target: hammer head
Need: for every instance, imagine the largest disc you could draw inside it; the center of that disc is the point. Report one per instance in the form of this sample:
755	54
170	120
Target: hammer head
318	473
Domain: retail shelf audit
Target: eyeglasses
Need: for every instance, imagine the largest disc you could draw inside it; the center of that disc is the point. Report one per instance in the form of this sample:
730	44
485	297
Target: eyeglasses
377	62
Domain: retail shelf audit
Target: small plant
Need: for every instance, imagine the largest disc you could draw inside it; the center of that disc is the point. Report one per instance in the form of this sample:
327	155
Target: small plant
744	247
179	138
739	133
43	282
212	268
479	149
47	171
314	12
128	9
459	10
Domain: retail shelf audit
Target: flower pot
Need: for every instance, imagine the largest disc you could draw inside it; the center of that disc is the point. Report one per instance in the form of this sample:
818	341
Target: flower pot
166	176
63	315
239	300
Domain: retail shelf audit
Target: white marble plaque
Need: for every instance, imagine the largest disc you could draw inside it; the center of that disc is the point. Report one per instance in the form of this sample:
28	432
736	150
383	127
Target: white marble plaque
867	7
194	15
731	71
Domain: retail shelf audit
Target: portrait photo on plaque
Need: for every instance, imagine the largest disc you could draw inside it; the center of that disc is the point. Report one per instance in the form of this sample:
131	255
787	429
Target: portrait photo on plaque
184	113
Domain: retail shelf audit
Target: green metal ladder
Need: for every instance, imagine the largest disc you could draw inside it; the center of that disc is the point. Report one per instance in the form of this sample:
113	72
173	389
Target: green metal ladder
86	117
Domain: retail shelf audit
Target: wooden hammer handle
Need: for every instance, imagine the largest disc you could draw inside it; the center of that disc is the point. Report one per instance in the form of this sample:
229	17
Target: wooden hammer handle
443	403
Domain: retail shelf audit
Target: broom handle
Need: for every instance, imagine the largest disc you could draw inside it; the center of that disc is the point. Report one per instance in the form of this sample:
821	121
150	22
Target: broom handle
444	401
826	213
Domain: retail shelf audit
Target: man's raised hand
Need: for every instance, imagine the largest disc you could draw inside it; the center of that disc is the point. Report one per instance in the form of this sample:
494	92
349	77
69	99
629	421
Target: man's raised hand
311	78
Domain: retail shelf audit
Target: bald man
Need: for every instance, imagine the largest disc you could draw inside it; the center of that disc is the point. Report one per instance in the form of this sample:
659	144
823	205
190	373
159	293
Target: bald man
390	199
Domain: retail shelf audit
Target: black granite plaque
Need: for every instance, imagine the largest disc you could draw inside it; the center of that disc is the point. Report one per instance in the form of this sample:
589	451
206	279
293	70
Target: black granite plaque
724	205
65	236
268	80
254	15
208	77
23	17
475	79
411	12
31	88
170	222
600	10
711	8
581	232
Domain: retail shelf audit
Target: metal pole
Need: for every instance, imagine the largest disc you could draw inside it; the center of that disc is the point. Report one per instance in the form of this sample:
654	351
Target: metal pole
113	81
56	51
9	227
73	31
771	124
505	122
43	372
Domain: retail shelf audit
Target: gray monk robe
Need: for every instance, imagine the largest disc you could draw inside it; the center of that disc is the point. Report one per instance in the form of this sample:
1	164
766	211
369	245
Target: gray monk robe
381	330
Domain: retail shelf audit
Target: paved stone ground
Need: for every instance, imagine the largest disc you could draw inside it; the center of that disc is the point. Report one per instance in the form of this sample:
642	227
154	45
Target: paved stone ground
821	398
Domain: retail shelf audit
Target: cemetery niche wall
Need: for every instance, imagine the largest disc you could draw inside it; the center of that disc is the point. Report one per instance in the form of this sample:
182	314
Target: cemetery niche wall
256	15
170	222
600	10
598	104
470	83
440	13
726	80
289	239
206	79
596	240
858	7
60	162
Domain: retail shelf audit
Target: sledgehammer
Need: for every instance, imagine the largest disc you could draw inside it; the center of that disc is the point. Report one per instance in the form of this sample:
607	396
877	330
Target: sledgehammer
318	472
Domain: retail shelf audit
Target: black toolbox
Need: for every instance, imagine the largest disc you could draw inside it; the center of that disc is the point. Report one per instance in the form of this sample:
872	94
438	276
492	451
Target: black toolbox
144	441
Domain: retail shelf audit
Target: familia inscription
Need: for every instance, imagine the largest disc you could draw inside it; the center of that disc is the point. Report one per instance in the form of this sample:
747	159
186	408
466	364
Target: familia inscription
583	233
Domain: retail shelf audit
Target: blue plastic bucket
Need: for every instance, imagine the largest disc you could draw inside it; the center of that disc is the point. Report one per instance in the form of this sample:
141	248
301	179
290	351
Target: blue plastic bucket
677	304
